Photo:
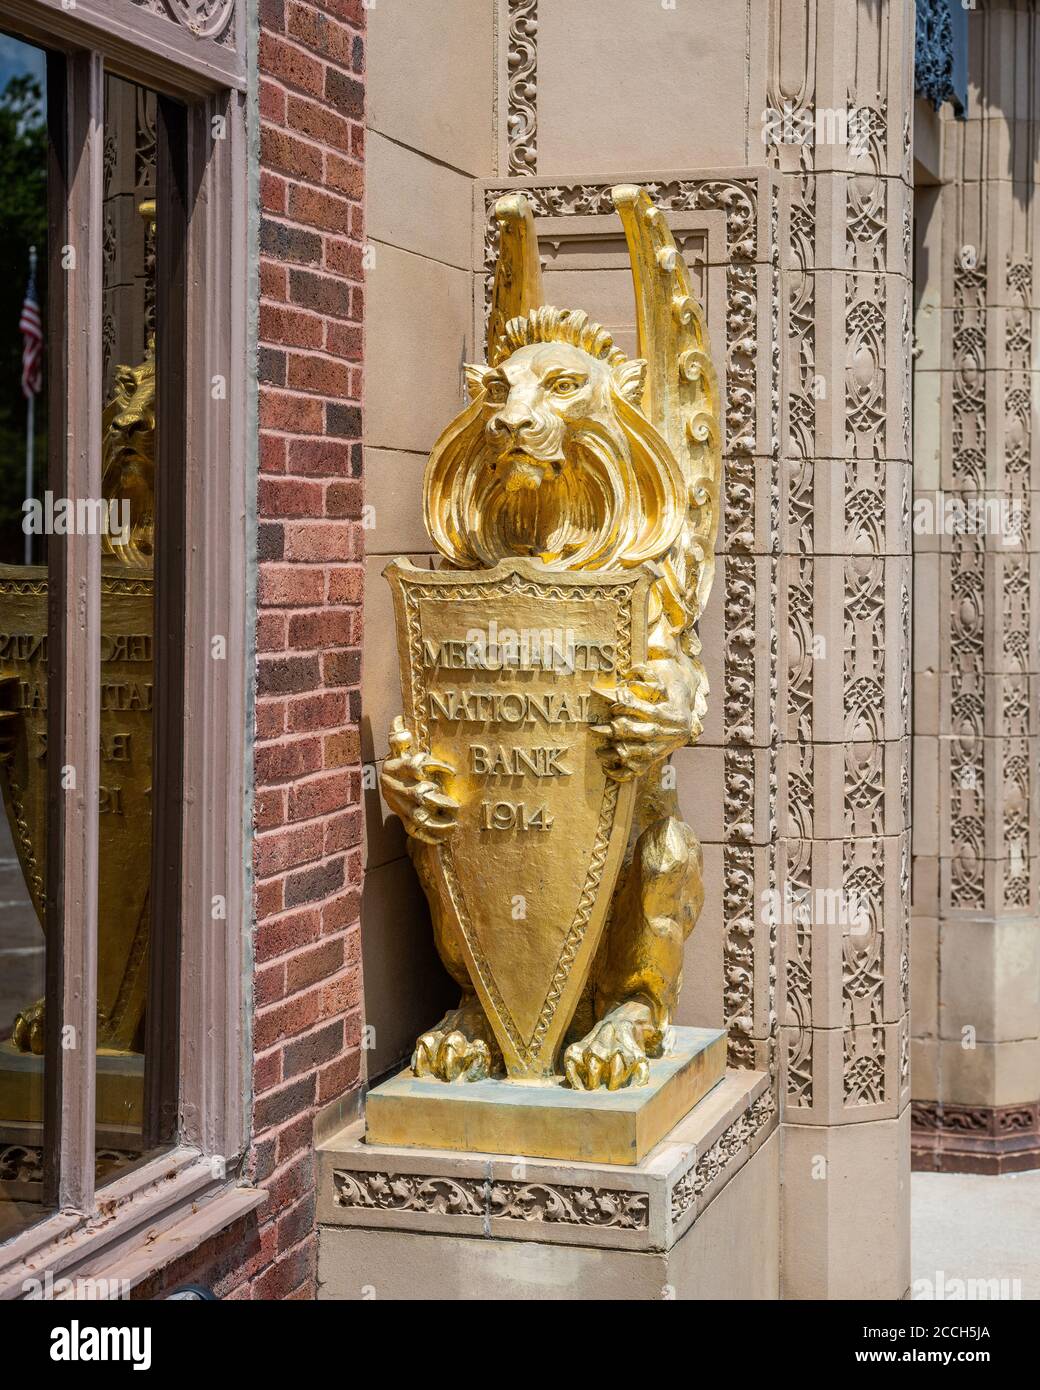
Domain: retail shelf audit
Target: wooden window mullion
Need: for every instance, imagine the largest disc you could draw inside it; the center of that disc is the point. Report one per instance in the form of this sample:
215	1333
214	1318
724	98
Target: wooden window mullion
74	639
163	1015
211	1047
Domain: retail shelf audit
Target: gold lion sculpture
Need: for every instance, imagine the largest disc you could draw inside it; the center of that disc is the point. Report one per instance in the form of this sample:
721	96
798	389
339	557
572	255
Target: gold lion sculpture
128	478
575	454
128	460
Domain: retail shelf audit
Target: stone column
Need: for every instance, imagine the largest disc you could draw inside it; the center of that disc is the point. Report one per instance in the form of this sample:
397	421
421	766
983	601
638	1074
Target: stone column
840	77
976	940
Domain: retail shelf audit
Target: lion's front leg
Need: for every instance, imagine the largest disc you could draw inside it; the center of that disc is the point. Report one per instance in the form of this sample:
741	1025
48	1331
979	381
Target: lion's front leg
461	1047
639	971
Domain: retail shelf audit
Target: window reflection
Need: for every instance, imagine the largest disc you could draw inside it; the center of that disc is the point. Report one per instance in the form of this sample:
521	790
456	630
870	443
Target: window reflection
23	627
127	622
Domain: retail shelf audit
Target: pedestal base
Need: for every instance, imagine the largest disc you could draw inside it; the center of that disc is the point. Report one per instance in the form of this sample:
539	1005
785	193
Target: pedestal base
549	1120
697	1218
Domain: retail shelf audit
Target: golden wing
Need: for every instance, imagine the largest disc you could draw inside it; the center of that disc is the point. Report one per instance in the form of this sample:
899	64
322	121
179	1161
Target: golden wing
518	274
681	395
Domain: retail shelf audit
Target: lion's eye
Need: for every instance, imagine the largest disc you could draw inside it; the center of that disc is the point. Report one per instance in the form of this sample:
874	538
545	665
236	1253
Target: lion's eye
565	386
496	390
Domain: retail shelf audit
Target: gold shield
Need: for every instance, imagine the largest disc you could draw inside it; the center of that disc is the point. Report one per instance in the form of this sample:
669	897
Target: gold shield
498	674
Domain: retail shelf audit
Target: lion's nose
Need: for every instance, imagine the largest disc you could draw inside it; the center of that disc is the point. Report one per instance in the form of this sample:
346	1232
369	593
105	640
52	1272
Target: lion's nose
511	422
130	425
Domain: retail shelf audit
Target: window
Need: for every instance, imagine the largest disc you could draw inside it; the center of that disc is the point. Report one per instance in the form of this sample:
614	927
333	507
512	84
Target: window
122	622
24	247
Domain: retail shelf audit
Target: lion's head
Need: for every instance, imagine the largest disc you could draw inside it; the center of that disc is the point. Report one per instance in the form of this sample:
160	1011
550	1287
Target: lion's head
128	459
554	458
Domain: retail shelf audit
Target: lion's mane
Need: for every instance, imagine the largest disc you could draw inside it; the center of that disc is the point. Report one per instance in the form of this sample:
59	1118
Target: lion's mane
621	502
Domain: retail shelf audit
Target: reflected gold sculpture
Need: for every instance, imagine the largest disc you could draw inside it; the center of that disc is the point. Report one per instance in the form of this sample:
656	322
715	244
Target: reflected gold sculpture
127	592
549	670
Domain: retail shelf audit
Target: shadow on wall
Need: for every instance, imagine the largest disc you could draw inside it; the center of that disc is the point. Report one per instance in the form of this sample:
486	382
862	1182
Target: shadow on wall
406	988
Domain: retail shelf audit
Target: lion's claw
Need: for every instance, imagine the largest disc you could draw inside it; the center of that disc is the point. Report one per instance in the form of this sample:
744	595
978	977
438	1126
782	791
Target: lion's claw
411	782
451	1057
29	1031
612	1055
460	1048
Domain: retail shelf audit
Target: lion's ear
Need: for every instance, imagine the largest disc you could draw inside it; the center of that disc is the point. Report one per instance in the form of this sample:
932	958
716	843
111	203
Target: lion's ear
474	379
630	379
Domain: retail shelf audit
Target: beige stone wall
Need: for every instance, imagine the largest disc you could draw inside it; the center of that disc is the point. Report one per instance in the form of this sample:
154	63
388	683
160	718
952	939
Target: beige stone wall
431	75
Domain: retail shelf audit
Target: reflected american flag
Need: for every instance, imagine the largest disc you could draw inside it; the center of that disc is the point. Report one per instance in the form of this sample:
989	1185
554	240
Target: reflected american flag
32	341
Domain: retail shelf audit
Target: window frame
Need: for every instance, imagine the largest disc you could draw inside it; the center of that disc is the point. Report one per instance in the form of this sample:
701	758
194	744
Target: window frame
200	841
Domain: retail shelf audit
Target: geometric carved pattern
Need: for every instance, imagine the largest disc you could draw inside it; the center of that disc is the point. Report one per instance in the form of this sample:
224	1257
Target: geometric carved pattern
863	973
1016	886
725	1149
868	451
845	441
799	983
966	657
949	1138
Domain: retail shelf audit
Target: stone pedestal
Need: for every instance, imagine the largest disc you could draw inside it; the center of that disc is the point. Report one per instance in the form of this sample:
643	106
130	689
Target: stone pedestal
698	1217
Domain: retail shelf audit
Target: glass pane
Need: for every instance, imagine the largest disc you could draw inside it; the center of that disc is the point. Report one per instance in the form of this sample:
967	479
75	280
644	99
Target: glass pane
23	626
127	622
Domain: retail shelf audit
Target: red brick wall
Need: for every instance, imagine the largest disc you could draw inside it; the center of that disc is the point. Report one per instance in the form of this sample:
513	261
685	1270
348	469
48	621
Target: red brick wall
307	846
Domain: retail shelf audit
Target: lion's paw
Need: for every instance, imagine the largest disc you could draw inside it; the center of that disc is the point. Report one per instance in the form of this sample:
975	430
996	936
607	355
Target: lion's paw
611	1055
29	1031
460	1048
451	1057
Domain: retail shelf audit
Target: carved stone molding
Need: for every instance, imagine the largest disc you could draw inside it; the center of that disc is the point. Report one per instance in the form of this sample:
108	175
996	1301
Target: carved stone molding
948	1138
533	1202
792	80
647	1207
981	717
522	104
530	1202
1016	885
726	1148
844	434
967	597
206	19
799	977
